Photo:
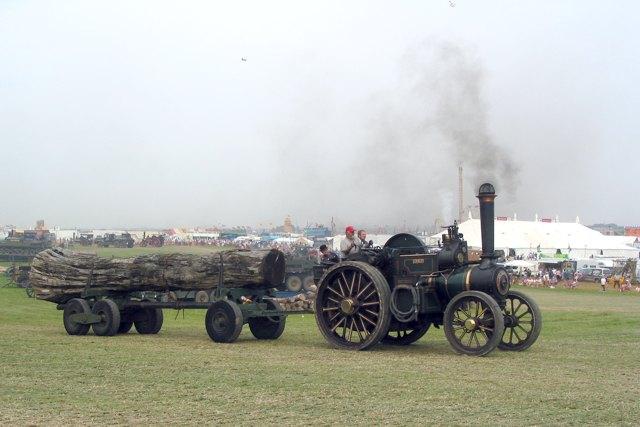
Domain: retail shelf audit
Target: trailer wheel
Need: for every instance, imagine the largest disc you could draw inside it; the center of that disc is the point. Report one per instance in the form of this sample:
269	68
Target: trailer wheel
202	297
473	323
224	321
294	284
148	321
307	282
75	306
268	328
125	326
110	315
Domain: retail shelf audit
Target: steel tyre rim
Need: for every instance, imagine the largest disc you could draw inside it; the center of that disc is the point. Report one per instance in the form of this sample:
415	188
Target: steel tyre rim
352	307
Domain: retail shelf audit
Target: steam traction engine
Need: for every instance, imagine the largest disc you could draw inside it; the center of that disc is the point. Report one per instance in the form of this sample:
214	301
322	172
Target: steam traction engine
394	294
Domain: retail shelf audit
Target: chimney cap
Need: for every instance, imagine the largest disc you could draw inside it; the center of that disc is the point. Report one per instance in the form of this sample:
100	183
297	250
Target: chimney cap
486	189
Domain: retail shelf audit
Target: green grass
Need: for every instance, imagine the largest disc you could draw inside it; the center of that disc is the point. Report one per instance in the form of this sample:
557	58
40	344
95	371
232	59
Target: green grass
584	369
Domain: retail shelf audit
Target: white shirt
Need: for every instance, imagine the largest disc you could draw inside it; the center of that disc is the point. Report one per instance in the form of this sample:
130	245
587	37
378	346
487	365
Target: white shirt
345	246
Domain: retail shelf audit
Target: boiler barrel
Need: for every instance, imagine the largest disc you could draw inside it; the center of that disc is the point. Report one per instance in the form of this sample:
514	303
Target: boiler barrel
493	280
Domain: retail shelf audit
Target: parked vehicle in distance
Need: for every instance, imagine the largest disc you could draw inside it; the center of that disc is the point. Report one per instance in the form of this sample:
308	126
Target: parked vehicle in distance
593	274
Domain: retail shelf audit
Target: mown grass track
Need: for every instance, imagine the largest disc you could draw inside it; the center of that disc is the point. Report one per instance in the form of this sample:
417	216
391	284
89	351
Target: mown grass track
583	370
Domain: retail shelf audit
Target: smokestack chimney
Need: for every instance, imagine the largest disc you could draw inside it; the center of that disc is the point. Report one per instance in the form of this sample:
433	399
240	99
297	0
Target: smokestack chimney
460	195
486	196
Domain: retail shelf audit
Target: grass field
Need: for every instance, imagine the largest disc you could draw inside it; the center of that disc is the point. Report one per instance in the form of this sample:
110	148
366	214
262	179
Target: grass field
584	369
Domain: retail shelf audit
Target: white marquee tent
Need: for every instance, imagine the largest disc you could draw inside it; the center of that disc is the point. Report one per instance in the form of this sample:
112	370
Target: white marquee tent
574	239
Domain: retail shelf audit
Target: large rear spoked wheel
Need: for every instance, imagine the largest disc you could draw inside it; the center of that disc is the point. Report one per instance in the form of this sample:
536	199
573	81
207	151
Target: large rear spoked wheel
352	306
473	323
522	322
406	333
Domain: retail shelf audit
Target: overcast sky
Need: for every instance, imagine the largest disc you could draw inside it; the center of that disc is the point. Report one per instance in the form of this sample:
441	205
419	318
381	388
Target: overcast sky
132	113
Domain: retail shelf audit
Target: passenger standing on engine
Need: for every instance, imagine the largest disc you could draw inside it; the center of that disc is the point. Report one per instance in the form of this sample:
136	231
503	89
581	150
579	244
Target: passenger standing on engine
362	236
349	245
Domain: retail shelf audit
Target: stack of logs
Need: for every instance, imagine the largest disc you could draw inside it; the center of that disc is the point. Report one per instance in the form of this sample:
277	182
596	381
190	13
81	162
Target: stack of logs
299	302
58	275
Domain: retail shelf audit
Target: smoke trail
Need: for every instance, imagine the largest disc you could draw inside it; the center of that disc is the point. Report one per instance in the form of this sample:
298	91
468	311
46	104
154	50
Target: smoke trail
396	161
452	79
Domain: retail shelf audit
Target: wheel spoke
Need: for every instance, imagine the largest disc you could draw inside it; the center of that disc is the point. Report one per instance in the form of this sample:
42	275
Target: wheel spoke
334	316
329	308
367	319
368	304
346	284
355	323
357	290
526	333
481	314
334	291
516	334
363	289
373	313
372	293
476	338
353	284
333	300
344	294
515	310
525	313
350	329
473	334
337	324
364	329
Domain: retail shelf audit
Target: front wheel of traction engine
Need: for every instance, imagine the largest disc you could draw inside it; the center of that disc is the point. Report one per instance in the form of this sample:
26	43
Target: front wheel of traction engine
268	328
473	323
352	306
522	322
224	321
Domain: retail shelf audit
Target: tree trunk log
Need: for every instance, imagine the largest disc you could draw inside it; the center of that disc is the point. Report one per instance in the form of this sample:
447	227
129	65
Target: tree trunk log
58	275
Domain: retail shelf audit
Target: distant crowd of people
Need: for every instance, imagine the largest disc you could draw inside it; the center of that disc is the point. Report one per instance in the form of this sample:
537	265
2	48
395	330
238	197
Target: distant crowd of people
553	277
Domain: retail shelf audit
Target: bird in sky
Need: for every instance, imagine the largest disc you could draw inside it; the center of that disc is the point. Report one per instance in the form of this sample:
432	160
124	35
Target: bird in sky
244	59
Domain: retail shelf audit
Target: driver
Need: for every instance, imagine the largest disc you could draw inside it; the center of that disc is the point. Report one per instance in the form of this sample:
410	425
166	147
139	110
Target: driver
350	244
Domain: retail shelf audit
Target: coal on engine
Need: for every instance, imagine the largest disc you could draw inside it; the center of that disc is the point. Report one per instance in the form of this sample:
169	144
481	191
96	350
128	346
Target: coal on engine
394	294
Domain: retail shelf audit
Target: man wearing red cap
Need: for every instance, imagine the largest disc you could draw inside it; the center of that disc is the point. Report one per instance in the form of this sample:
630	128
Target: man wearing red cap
349	245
